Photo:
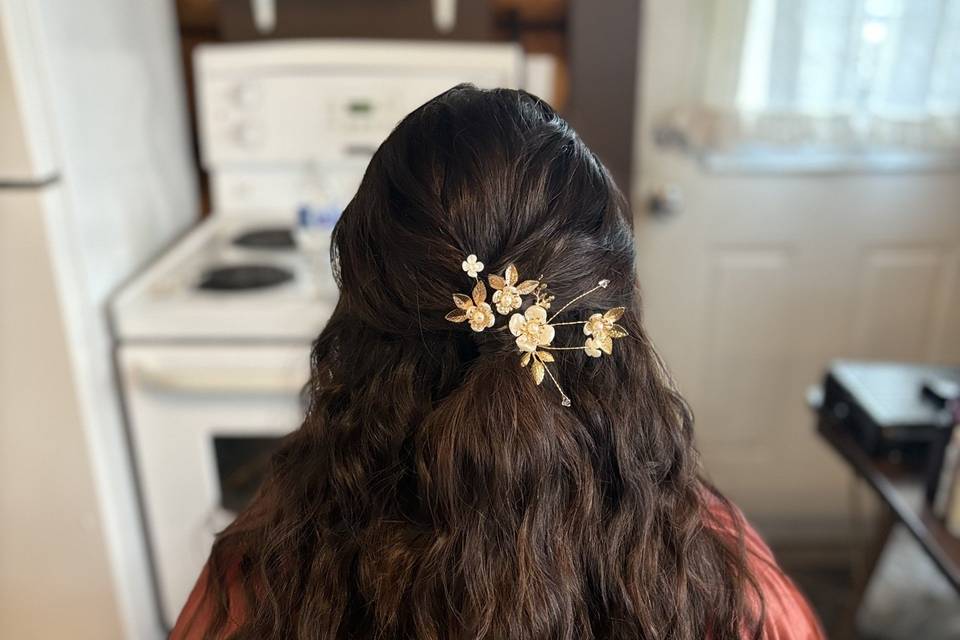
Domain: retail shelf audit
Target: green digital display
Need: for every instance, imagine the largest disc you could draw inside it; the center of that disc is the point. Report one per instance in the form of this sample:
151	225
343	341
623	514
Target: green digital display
360	107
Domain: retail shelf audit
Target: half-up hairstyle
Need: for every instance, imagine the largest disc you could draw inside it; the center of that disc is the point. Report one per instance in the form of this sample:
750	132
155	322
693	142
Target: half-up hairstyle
433	490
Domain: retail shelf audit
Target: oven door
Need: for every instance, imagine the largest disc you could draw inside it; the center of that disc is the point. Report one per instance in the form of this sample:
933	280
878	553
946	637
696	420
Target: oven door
203	423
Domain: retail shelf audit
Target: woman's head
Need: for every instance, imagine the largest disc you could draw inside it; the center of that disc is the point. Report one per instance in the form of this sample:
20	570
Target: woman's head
434	490
497	174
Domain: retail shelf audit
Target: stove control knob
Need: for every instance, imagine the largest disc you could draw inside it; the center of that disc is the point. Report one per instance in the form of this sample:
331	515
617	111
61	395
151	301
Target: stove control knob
247	135
245	94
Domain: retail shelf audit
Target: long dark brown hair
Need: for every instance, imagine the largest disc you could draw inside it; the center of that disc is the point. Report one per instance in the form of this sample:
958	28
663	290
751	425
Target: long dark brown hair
433	490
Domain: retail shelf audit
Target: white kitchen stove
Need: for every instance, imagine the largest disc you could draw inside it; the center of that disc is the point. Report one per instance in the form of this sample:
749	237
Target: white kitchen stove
234	278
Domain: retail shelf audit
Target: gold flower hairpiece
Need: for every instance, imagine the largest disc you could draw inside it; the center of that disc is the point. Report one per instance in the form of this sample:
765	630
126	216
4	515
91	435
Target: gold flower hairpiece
534	331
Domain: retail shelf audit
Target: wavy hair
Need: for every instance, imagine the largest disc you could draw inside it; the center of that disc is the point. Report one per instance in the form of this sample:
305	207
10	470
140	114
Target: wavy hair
433	490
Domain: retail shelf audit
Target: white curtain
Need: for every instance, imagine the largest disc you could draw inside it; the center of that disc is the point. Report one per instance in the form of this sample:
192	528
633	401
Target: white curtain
857	75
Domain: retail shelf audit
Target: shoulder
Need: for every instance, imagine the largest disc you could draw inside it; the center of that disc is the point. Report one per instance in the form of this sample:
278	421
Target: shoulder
195	615
201	610
787	614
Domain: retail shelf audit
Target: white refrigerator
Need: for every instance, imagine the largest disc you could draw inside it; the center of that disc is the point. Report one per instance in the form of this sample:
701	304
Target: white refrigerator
95	179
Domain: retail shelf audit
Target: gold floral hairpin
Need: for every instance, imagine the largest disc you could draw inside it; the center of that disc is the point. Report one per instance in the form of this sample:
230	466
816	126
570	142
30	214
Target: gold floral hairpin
533	329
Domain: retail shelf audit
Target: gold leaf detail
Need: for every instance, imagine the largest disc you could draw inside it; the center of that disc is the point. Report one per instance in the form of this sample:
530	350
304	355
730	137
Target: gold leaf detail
616	331
538	370
462	301
457	315
545	356
496	281
527	287
525	360
606	344
511	275
614	314
479	293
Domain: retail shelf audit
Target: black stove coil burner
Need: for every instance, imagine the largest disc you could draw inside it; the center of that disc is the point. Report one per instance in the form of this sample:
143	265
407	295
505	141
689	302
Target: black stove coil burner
243	277
268	238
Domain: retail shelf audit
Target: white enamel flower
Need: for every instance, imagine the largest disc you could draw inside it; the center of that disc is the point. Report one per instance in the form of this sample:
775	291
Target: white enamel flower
475	310
603	324
596	325
507	299
531	329
508	295
602	329
592	348
480	317
472	266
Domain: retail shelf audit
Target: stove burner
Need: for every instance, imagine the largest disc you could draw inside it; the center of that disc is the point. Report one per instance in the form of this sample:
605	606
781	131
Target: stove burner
268	238
243	277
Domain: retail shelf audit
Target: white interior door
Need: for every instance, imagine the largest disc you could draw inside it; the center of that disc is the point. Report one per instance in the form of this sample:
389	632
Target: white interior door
757	281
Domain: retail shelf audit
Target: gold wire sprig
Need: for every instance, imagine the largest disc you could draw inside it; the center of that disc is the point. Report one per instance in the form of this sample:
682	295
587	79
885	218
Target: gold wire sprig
580	348
600	285
541	297
533	330
538	367
535	333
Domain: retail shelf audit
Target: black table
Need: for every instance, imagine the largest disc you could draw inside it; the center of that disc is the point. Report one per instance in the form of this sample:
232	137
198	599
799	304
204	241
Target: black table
901	493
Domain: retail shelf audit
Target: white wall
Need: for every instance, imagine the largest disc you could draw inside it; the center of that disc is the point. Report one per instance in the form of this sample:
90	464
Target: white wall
116	91
55	579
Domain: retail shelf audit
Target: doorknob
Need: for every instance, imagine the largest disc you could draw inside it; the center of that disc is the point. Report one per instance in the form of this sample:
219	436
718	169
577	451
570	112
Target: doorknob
665	201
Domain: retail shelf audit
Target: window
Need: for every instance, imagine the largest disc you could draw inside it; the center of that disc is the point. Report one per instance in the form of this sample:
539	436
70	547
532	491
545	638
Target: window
897	59
828	84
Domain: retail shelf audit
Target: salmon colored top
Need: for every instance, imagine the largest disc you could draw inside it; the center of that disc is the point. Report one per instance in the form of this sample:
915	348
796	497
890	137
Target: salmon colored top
788	614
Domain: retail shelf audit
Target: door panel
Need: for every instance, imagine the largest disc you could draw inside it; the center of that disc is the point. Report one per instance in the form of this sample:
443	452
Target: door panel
758	281
742	348
898	292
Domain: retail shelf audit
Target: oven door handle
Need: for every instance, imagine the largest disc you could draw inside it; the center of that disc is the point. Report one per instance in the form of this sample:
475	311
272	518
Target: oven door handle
220	381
